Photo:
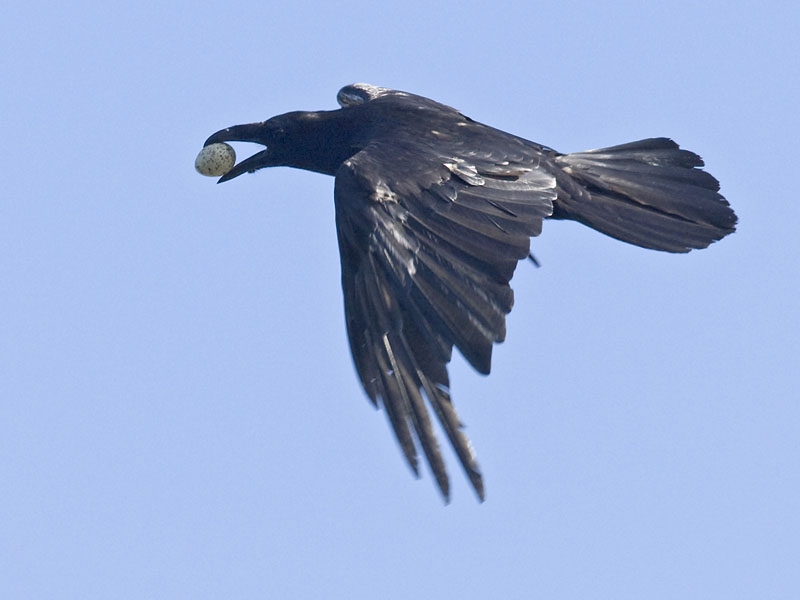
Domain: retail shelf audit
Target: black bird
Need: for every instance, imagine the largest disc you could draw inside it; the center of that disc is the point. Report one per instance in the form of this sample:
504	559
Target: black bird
433	212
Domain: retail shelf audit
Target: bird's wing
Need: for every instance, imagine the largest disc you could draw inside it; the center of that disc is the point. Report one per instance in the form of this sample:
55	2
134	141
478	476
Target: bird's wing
428	244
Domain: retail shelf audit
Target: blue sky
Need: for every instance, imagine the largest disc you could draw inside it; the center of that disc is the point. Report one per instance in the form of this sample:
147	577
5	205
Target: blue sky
179	415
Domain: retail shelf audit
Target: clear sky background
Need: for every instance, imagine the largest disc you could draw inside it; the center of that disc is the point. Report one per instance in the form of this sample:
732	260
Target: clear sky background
179	414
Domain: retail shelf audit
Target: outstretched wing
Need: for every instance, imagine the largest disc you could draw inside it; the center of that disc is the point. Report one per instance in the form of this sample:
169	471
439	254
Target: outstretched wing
429	240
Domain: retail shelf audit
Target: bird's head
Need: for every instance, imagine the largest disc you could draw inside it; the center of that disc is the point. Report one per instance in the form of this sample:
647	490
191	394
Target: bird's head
305	140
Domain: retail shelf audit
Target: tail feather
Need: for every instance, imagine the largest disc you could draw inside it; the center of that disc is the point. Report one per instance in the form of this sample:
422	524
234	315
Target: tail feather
650	193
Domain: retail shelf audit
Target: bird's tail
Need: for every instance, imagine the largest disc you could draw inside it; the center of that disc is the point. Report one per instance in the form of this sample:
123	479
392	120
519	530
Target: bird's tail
649	193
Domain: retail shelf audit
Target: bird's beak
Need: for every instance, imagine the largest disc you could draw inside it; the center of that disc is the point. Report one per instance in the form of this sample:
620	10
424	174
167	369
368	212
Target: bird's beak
252	132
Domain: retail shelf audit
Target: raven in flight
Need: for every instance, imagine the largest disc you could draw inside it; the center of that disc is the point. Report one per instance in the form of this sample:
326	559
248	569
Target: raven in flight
433	212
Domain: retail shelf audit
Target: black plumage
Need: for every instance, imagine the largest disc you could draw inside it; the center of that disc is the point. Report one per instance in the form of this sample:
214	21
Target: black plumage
433	212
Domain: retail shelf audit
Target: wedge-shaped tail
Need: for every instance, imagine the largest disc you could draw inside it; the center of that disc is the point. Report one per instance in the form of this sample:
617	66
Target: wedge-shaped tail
650	193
